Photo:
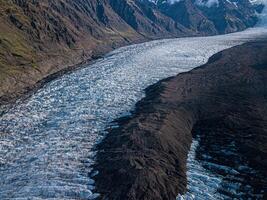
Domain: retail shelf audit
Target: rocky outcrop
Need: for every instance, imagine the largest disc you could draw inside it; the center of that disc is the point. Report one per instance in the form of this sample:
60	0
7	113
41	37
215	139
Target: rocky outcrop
42	37
144	158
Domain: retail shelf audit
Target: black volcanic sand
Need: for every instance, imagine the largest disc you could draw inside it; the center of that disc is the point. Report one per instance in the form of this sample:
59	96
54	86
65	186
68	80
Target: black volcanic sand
224	102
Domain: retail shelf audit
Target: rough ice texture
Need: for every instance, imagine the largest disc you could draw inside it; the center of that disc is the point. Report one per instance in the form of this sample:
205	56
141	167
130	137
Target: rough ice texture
47	141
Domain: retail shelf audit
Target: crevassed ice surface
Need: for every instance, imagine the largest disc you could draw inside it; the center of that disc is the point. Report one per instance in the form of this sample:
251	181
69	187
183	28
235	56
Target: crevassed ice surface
219	172
202	184
47	141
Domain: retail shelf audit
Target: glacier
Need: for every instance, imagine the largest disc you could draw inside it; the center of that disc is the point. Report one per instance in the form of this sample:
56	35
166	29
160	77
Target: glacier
47	142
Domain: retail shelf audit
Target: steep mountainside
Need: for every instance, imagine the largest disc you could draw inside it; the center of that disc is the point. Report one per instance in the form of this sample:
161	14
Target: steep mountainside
210	17
41	37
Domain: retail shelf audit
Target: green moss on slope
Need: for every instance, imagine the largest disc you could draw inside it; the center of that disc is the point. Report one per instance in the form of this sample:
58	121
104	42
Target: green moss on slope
15	50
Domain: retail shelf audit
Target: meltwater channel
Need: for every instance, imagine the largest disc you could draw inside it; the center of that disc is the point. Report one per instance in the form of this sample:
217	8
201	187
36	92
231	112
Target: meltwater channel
47	141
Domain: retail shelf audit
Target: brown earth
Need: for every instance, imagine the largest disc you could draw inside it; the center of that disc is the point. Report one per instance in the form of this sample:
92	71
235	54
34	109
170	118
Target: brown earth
145	157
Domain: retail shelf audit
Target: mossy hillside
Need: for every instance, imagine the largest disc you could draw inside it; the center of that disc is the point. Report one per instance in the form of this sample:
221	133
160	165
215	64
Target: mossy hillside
15	50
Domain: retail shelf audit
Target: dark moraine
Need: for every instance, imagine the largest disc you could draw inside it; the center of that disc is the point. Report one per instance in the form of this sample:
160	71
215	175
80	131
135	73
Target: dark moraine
223	102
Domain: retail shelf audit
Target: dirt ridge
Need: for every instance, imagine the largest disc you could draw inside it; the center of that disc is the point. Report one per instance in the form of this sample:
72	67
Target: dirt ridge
145	157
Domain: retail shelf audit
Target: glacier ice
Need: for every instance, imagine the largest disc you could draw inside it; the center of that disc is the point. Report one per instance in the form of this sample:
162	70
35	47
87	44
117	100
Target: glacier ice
47	141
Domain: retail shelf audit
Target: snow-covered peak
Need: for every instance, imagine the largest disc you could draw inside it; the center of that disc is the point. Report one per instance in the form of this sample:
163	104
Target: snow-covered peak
257	1
209	3
165	1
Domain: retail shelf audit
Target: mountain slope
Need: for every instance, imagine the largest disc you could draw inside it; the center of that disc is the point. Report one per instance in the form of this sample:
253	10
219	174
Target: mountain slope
209	17
51	33
41	37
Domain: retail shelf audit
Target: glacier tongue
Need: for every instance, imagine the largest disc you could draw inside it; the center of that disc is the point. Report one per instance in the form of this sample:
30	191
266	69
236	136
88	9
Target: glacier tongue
47	141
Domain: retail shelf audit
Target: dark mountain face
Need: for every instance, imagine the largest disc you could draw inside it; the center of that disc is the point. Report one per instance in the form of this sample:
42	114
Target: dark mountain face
231	16
41	37
147	20
209	16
